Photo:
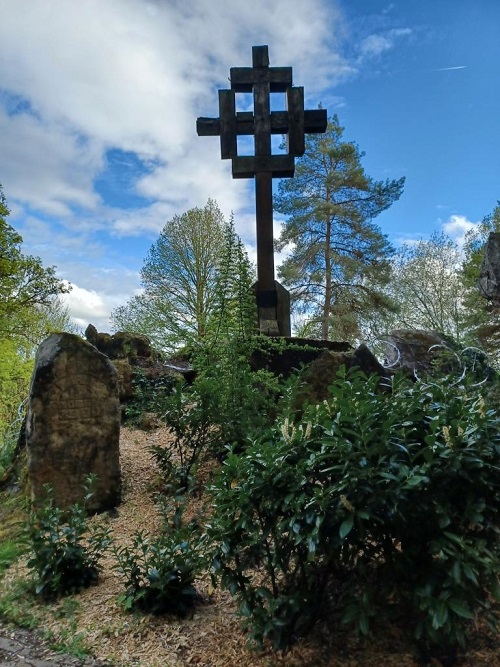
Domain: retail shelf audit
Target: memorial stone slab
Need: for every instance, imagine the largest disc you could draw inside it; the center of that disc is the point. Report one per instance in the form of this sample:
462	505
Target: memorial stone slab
73	423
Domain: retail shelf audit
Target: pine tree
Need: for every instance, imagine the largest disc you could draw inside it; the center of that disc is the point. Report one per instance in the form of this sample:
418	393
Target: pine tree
339	260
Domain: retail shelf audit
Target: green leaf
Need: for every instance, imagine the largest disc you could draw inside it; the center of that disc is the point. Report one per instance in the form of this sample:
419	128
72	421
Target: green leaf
460	608
364	626
440	616
346	526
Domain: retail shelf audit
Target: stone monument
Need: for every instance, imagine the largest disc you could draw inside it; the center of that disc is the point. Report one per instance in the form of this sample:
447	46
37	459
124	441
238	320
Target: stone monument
273	300
73	423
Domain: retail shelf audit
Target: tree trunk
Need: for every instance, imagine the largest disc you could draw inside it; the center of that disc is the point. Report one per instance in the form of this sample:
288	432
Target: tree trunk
325	324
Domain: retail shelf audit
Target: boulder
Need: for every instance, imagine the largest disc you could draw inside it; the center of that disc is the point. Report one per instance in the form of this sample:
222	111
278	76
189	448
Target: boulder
489	276
73	423
421	353
284	356
318	362
120	345
322	372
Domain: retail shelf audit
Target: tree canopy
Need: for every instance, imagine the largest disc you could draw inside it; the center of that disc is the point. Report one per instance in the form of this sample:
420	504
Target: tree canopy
30	307
339	259
482	316
187	276
27	288
427	286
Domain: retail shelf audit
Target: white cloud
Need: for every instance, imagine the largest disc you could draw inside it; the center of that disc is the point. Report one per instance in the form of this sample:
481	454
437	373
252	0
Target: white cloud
375	44
457	227
89	306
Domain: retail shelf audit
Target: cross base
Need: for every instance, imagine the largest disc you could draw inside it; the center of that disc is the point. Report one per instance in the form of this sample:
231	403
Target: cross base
273	308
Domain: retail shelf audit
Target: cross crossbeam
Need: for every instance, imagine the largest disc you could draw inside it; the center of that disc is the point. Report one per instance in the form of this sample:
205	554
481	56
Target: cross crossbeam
263	166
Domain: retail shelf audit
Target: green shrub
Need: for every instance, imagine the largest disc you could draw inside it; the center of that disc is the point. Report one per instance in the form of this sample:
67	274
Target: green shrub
160	572
65	549
240	402
187	415
148	396
373	502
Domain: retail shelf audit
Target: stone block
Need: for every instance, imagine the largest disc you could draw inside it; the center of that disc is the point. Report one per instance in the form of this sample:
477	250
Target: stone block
73	423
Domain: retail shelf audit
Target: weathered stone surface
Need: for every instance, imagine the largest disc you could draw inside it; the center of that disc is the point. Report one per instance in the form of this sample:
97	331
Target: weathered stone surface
322	372
318	362
125	373
132	355
419	352
73	423
489	277
292	354
120	345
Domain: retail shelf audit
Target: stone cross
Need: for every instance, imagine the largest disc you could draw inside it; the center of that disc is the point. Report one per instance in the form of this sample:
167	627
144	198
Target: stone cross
273	300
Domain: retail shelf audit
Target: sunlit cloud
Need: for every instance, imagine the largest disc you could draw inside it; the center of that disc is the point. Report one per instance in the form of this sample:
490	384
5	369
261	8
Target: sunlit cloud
457	227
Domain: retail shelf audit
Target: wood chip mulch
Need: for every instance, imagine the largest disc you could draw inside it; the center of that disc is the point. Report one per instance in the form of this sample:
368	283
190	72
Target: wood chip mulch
212	636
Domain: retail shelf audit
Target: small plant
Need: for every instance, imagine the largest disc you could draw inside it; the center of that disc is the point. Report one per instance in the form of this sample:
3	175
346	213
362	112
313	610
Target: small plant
9	437
187	416
16	604
160	572
148	396
65	549
10	550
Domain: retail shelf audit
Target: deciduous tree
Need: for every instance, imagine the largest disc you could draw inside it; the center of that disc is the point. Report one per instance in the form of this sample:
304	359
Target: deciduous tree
26	286
179	279
427	286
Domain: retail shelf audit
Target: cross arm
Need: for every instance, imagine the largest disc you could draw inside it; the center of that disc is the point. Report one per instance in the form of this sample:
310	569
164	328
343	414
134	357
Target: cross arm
243	79
315	122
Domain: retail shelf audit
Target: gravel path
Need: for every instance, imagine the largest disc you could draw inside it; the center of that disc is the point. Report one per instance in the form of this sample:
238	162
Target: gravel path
24	648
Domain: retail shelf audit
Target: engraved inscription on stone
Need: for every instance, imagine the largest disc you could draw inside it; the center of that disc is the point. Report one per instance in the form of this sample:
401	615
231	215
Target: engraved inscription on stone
73	424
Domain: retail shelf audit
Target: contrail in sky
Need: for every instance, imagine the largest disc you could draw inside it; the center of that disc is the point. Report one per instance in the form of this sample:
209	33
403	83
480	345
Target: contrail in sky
447	69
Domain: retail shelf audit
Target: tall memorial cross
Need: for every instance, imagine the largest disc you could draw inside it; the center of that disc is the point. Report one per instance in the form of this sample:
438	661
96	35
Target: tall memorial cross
273	301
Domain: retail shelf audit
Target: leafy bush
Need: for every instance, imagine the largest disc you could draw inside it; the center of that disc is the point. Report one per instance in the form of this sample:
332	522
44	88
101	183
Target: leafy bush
373	502
65	549
149	394
187	415
240	401
160	573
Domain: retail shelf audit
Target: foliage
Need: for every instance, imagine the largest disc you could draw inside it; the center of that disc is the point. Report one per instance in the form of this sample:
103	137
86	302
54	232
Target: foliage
427	286
16	604
65	549
29	308
187	414
160	572
178	278
9	438
25	284
338	263
235	311
375	501
148	395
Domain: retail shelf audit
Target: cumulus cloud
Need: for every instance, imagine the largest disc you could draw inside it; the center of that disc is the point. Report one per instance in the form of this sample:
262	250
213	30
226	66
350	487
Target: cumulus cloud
375	44
457	227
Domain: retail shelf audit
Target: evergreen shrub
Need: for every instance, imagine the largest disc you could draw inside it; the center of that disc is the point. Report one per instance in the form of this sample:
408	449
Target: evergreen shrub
374	503
160	572
66	549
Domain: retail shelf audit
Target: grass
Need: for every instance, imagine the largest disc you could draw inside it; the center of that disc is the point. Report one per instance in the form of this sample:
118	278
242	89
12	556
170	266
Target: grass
10	550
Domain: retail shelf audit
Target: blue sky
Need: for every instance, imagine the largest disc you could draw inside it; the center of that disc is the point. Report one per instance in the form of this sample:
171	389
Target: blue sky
99	100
